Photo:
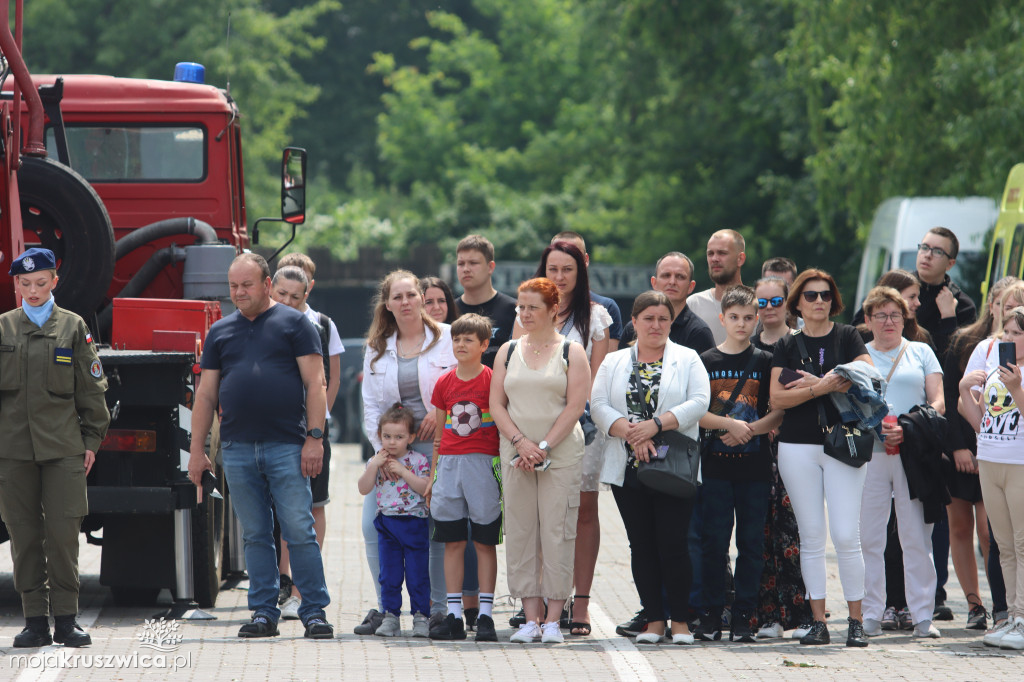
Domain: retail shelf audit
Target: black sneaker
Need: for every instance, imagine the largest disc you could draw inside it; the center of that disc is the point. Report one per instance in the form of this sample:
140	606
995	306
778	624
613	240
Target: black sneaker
855	636
634	626
470	615
68	632
942	612
286	589
518	619
448	629
485	629
318	628
370	624
741	630
977	618
818	634
260	626
710	628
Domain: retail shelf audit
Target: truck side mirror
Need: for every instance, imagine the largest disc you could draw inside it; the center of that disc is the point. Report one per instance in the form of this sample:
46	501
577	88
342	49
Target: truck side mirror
293	185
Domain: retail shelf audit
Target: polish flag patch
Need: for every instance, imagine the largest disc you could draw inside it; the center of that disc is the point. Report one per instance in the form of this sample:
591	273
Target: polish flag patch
88	337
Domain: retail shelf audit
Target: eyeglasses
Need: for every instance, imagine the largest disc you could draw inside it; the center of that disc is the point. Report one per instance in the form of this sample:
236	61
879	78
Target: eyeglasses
775	301
892	317
811	296
934	250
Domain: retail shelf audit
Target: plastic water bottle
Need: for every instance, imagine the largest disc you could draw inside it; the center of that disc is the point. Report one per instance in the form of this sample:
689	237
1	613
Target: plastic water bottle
890	419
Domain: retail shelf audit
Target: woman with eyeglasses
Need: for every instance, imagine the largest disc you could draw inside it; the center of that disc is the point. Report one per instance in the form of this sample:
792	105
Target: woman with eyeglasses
914	377
812	478
781	603
990	399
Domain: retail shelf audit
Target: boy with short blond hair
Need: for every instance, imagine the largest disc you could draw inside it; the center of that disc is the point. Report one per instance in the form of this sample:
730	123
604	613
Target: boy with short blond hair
465	490
736	465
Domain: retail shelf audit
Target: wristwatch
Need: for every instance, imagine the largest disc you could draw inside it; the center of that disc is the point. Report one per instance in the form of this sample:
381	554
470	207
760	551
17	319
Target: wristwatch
315	433
543	445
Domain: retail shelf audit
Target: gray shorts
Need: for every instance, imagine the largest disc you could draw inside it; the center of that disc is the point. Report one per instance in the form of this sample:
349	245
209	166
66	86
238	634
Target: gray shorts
467	487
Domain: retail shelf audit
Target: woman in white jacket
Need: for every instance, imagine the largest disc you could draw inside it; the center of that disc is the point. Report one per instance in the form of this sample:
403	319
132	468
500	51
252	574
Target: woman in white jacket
673	395
406	353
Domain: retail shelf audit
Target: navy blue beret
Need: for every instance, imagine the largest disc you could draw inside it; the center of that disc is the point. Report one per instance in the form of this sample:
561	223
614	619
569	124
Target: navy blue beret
32	260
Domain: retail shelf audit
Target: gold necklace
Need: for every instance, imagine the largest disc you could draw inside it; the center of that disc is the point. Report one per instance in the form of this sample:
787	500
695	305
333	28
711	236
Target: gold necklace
544	346
405	354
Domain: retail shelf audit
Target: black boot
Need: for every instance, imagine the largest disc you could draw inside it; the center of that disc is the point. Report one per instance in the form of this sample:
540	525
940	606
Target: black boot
35	634
69	633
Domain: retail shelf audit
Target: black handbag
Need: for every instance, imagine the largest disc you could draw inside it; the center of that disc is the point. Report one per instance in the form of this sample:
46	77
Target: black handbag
678	474
847	443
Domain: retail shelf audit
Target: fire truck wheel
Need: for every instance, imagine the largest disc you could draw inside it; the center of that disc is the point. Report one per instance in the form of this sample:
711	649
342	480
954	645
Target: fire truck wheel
61	211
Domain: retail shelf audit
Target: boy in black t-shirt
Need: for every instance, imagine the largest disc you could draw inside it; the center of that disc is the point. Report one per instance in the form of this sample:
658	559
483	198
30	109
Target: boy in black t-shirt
737	467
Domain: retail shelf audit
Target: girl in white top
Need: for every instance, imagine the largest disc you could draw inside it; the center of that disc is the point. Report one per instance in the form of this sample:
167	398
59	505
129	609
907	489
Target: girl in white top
916	379
994	412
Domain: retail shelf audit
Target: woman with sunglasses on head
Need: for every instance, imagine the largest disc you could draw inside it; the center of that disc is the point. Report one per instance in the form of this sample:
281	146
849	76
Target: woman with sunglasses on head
781	602
812	477
913	377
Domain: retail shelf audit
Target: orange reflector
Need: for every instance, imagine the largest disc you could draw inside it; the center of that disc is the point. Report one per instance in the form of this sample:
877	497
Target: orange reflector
128	440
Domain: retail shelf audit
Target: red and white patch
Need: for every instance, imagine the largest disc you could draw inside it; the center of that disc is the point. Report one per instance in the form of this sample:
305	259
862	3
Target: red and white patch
88	337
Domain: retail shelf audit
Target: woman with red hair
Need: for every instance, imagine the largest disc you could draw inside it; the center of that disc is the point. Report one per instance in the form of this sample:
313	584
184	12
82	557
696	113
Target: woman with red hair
538	392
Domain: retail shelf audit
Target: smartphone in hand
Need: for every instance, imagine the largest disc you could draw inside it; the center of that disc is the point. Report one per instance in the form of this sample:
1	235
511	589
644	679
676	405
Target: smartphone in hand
789	375
1007	353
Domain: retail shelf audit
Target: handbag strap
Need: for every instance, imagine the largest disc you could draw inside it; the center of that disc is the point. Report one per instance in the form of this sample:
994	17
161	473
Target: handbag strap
896	362
805	358
648	409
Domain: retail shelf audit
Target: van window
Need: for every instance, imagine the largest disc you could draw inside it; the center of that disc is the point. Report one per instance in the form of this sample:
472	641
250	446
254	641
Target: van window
877	265
135	153
1013	265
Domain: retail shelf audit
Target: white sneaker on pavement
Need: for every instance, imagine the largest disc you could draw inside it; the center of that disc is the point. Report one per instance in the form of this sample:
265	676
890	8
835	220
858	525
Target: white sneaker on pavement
290	608
994	636
551	633
872	627
926	629
801	631
528	632
770	631
1014	637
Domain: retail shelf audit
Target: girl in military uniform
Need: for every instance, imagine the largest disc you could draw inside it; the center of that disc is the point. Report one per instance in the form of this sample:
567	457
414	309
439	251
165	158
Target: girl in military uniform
53	418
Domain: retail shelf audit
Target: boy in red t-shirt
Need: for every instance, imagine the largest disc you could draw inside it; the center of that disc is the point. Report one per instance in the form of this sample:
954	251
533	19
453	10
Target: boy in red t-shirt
465	489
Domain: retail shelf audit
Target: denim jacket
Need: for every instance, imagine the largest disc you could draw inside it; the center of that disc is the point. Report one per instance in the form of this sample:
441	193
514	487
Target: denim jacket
864	403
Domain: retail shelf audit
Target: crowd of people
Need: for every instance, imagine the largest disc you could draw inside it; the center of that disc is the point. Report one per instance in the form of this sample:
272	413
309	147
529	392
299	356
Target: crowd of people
497	419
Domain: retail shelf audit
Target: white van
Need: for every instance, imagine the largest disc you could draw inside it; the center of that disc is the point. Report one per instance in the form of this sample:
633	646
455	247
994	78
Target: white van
901	222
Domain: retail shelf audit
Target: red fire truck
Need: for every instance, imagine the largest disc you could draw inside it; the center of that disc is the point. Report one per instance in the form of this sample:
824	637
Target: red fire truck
137	186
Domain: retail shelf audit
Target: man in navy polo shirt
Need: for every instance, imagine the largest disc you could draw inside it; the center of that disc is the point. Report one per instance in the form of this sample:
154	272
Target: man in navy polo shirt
264	365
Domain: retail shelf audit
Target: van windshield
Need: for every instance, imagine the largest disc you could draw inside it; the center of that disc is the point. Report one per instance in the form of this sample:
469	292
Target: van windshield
134	153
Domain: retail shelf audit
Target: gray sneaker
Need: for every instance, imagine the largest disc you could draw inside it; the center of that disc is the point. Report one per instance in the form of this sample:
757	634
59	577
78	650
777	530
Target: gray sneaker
390	627
370	624
420	626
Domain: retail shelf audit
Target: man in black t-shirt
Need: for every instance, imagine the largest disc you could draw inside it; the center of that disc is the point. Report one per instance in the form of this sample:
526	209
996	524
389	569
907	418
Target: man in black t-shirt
673	276
474	267
269	446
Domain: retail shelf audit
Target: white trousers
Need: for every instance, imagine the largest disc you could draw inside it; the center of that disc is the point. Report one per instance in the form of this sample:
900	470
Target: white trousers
813	479
885	481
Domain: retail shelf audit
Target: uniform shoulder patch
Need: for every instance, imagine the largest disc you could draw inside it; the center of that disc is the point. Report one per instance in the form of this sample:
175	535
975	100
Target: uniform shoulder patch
96	369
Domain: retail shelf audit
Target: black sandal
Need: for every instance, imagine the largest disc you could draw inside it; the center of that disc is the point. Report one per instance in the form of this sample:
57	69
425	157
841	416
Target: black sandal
584	628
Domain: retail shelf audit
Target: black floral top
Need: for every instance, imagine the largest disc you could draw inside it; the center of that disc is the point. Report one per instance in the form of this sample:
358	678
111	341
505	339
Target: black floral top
641	400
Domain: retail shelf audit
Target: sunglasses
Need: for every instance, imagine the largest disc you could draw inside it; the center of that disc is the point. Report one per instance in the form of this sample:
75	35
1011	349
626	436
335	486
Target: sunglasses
811	296
775	301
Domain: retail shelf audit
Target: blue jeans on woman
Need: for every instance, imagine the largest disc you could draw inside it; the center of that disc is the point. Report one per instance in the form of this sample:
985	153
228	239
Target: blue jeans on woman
721	501
265	475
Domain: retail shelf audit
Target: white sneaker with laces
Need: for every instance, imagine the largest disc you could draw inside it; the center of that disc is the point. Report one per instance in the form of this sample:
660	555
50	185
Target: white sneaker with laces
926	629
290	608
528	632
770	631
1014	637
994	636
801	631
551	633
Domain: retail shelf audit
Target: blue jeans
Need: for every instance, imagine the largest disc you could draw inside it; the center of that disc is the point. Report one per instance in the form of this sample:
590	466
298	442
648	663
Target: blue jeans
720	501
261	475
404	555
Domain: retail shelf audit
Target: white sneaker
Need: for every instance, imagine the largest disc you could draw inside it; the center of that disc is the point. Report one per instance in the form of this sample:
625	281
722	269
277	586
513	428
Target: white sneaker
551	633
926	629
648	638
1014	638
682	638
801	631
872	627
528	632
770	631
994	636
290	608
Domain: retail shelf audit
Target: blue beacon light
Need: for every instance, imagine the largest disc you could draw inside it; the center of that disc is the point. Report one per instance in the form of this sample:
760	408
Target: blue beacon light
189	72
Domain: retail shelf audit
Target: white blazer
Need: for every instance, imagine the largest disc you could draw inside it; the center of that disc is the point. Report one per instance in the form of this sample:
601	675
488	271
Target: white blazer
685	391
380	384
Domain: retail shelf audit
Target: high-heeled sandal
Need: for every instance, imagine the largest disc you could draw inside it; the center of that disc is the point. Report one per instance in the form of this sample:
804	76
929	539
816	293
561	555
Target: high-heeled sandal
574	625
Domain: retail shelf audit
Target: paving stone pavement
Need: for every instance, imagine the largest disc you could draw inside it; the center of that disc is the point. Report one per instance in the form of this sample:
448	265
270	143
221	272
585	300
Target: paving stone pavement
210	650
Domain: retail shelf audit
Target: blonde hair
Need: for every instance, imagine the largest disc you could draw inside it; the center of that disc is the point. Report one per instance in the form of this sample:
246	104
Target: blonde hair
384	324
1016	290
